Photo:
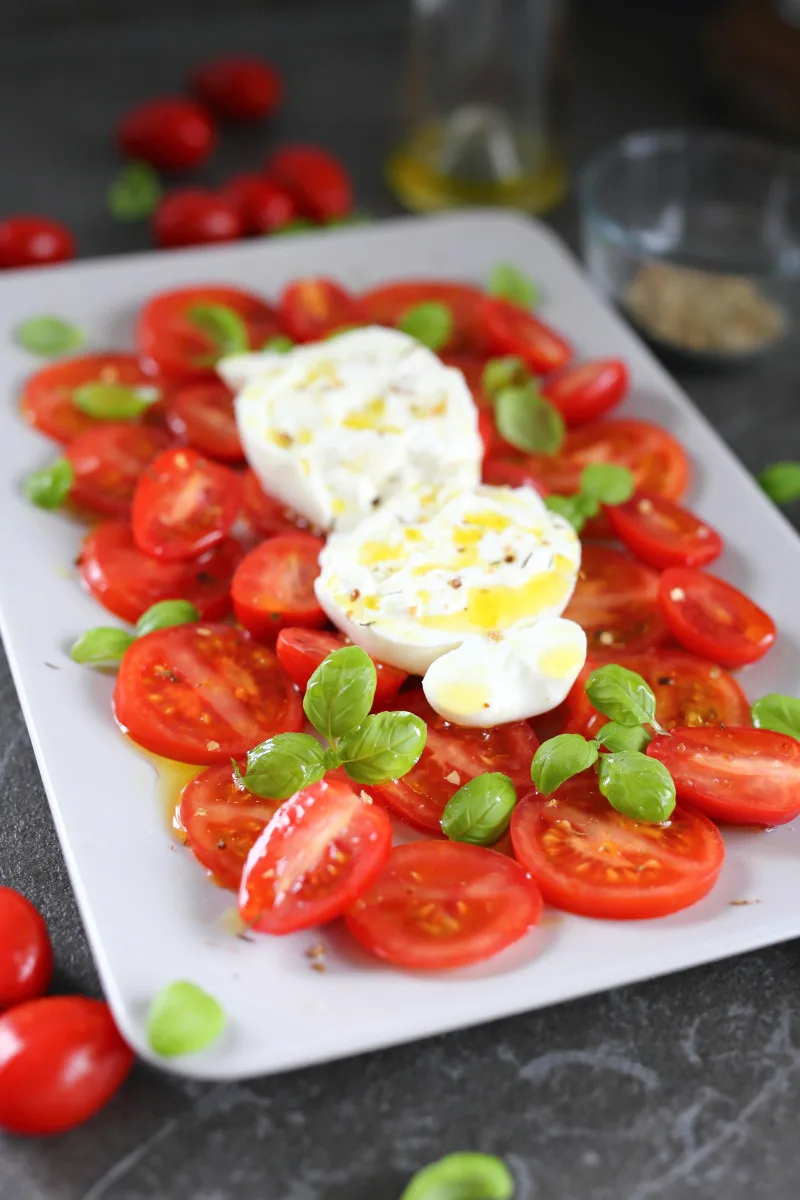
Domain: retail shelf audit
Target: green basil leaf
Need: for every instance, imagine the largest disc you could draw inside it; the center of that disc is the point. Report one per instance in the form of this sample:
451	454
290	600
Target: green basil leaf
101	646
135	192
781	482
278	344
559	758
223	327
607	482
622	696
510	284
284	764
779	713
166	613
48	336
501	373
575	509
479	812
297	225
113	401
49	487
340	693
527	421
637	786
331	759
184	1019
353	218
386	746
462	1177
430	323
623	737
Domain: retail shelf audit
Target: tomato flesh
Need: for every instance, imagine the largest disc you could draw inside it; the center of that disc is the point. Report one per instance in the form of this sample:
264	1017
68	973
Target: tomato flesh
712	618
108	461
616	602
588	391
26	956
184	505
301	651
202	415
222	822
510	329
47	402
310	309
273	587
388	304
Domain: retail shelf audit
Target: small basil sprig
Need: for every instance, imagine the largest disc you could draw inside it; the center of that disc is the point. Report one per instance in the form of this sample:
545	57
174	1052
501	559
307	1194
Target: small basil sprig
165	613
527	421
480	811
184	1019
781	482
462	1177
50	487
430	323
636	786
284	764
616	737
501	373
223	327
510	284
778	713
48	337
113	401
105	645
340	693
600	483
279	344
623	696
135	192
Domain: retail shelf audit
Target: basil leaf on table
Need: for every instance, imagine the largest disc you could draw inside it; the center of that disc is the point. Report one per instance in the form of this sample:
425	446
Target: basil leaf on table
50	487
386	746
282	765
340	693
637	786
559	758
135	192
527	421
781	482
480	811
778	713
48	337
623	737
622	696
430	323
462	1176
184	1019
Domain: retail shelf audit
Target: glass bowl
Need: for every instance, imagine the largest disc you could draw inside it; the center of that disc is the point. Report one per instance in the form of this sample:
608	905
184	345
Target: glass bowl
696	236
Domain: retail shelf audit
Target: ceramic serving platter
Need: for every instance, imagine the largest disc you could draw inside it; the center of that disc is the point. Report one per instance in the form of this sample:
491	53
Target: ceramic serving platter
151	915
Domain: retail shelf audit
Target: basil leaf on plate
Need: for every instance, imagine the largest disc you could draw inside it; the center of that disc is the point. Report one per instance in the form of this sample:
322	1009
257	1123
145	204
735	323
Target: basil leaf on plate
340	693
113	401
480	811
778	713
607	482
430	323
527	421
223	327
575	509
184	1019
48	337
559	758
166	613
623	737
102	646
386	746
501	373
622	696
637	786
510	284
282	765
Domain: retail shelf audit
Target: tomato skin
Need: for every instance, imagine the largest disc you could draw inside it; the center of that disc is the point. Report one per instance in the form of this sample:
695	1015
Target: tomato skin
310	309
273	587
616	602
28	241
588	391
317	182
499	470
202	415
184	505
712	618
26	955
323	848
439	905
46	401
301	650
193	217
554	836
267	515
510	329
222	821
239	89
663	534
388	304
172	134
61	1059
261	204
108	461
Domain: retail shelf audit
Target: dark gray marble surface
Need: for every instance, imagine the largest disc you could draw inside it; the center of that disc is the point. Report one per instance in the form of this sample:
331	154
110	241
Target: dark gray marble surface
683	1089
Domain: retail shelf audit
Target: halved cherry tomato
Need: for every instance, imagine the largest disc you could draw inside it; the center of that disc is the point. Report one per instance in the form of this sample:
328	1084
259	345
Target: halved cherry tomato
453	755
439	905
589	859
127	582
712	618
274	585
388	304
616	602
310	309
688	691
501	471
47	397
172	134
510	329
663	534
262	205
588	391
301	651
61	1059
108	461
195	217
26	956
317	182
266	513
241	88
168	338
745	776
28	241
203	694
184	504
202	414
222	821
323	848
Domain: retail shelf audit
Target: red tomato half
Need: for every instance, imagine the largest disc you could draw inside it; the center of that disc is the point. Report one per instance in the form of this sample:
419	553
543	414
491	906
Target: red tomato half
388	304
28	241
203	694
222	821
510	329
310	309
302	650
26	956
323	848
47	397
589	390
195	217
202	414
265	513
616	602
127	582
663	534
240	89
589	859
107	462
171	134
317	182
184	504
262	205
439	905
274	585
745	776
712	618
61	1059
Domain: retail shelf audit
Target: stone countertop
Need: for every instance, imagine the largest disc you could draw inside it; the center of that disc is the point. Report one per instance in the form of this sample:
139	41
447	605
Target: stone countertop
680	1089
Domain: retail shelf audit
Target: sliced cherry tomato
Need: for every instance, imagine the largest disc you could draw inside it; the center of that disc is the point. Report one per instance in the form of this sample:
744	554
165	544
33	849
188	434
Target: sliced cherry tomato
323	848
439	905
193	217
388	304
127	582
263	206
453	755
108	461
663	534
26	956
714	619
302	650
266	513
240	89
184	504
688	691
28	241
203	694
61	1059
168	338
510	329
588	391
202	414
317	182
589	859
616	602
172	134
310	309
501	471
47	397
222	821
745	776
273	587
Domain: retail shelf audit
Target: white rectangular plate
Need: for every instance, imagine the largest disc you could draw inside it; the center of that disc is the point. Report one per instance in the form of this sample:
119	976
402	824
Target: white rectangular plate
151	915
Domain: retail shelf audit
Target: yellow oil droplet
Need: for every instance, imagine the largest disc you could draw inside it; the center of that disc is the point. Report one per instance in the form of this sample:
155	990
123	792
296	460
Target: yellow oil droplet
171	779
372	553
462	698
488	520
466	537
499	608
559	661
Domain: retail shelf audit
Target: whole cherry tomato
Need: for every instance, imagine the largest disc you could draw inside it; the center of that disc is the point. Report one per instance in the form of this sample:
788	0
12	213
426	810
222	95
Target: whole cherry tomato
262	205
241	89
26	956
193	216
171	134
28	241
316	180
